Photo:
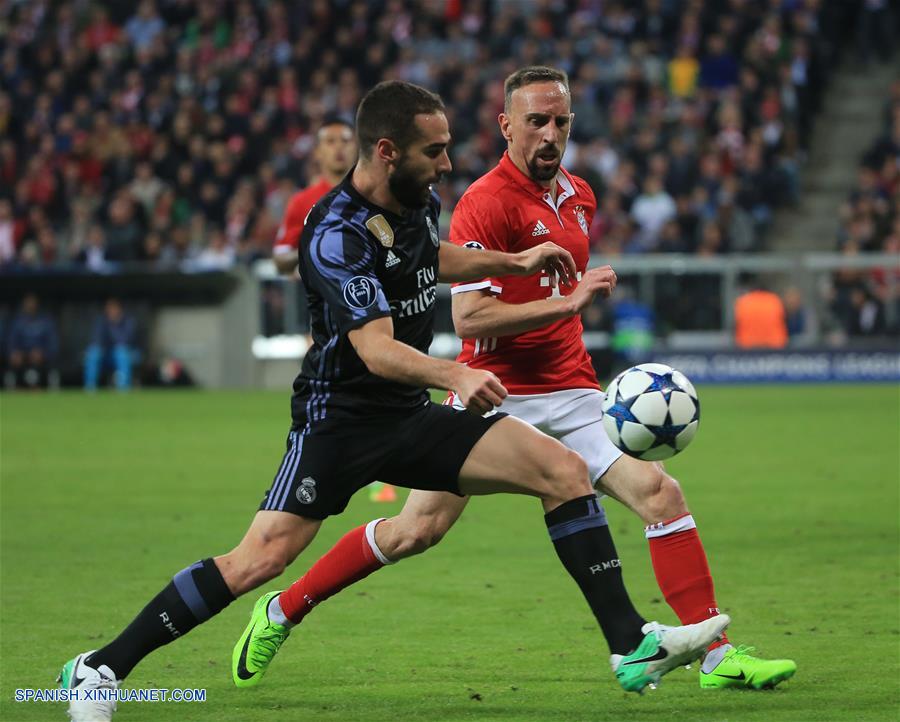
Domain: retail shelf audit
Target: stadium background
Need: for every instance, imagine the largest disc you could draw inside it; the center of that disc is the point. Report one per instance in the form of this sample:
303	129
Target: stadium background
148	151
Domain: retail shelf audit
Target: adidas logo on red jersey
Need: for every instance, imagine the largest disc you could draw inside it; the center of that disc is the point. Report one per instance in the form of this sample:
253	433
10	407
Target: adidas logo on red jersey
540	229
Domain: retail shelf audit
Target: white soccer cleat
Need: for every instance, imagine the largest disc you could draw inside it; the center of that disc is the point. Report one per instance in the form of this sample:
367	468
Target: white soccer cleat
663	649
76	675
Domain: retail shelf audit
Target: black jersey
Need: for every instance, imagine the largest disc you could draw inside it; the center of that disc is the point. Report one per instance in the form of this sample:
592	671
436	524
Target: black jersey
359	262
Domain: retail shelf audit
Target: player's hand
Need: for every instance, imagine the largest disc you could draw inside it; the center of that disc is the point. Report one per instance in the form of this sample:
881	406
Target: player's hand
480	391
555	261
595	281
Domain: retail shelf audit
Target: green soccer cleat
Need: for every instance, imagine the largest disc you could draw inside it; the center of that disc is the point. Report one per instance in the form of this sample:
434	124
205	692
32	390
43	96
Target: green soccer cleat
258	644
663	649
738	668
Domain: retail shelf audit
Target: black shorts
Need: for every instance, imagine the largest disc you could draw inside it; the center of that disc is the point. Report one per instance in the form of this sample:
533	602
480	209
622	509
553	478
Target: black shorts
422	449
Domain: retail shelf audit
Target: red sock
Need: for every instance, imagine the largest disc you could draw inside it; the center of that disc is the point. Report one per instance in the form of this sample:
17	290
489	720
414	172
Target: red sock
682	570
354	557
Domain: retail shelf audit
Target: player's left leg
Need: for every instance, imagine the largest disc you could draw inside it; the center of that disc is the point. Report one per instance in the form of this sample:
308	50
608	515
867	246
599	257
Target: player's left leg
678	557
514	457
679	560
203	589
193	596
682	570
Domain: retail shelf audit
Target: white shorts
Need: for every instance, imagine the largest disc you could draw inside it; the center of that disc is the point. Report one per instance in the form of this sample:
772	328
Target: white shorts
571	416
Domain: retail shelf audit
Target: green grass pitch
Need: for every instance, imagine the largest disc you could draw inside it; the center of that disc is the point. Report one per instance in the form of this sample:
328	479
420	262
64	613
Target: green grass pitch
795	491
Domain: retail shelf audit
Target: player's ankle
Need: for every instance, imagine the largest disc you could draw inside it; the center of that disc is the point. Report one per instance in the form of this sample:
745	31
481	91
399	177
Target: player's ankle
276	614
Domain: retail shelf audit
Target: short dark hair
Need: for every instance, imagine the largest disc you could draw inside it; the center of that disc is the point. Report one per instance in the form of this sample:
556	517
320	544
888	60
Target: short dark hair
332	119
389	110
528	76
335	119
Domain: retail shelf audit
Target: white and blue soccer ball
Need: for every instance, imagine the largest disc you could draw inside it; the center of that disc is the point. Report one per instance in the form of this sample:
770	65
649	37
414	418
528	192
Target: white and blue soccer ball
651	411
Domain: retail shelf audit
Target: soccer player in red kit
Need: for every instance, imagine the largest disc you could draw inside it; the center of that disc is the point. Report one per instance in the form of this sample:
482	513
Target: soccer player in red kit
335	154
528	332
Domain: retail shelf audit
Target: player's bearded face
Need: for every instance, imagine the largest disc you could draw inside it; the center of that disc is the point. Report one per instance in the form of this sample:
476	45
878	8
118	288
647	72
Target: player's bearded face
411	185
536	126
543	165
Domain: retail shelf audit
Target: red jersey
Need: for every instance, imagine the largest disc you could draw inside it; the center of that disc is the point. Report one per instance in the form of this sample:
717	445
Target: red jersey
298	208
507	211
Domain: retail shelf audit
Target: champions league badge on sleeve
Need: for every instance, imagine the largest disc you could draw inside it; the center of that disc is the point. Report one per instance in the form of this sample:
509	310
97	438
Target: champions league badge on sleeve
360	292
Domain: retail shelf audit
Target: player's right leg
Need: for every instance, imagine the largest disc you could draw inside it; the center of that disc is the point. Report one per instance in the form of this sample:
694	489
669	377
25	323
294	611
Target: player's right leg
514	457
194	595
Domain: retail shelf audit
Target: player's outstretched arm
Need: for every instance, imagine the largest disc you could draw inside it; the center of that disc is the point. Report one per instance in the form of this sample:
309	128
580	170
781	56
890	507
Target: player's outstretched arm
479	314
459	264
384	356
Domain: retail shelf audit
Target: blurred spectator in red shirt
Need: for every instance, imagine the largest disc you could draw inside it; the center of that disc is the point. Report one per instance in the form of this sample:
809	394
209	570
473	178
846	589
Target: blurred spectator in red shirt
101	32
335	153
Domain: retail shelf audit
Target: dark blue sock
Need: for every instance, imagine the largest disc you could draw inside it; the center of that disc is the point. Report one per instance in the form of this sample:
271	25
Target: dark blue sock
580	534
195	594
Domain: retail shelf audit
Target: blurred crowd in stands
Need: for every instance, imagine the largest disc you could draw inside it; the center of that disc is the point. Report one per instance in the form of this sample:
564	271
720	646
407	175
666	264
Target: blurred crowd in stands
867	303
174	131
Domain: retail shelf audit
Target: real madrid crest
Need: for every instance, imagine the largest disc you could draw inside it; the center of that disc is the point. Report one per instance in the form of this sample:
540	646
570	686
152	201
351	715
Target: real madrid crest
432	230
381	229
306	492
582	221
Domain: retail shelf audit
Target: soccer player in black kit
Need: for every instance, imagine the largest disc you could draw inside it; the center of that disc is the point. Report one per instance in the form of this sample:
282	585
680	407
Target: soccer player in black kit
370	260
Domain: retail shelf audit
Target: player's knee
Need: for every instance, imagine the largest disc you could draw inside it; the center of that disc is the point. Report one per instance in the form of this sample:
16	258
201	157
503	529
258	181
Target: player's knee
267	562
568	476
662	498
421	536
